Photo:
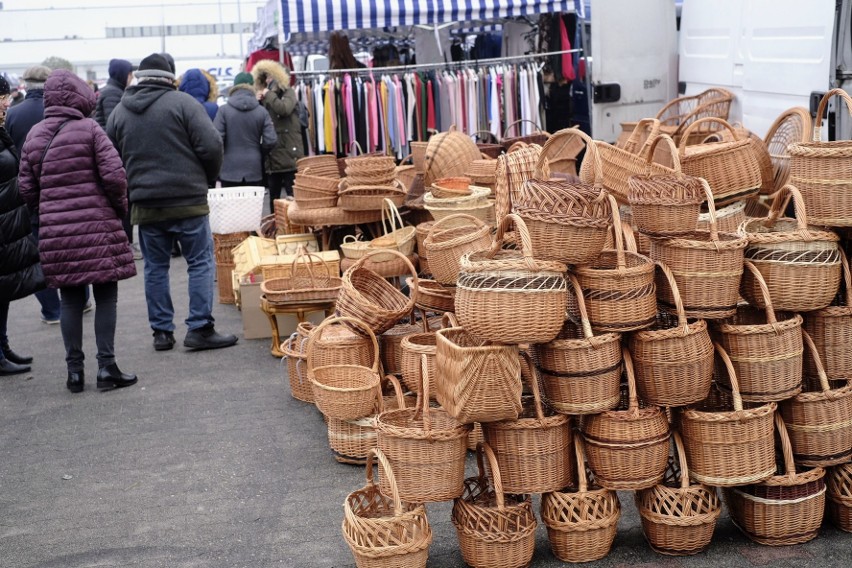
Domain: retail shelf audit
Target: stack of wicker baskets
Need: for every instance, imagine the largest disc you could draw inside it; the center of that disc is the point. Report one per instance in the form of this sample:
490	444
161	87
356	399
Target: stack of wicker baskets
369	181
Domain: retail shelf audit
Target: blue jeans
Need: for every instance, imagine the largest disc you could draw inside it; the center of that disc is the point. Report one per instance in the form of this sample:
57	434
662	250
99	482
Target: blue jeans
196	242
48	297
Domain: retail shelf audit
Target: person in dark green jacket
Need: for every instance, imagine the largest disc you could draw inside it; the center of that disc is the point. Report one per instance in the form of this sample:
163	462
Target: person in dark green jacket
272	81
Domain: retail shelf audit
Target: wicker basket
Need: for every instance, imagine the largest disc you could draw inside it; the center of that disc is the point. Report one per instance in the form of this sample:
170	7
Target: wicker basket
618	287
820	422
786	508
581	372
839	488
800	264
582	520
414	347
537	137
457	186
369	197
567	221
337	345
831	331
433	297
628	448
726	448
533	452
390	342
674	358
449	154
512	171
766	353
353	247
418	155
427	448
507	296
367	296
792	126
707	266
449	239
494	530
346	392
728	218
731	168
678	517
823	172
384	532
297	370
665	204
402	236
620	165
324	165
420	234
302	289
390	268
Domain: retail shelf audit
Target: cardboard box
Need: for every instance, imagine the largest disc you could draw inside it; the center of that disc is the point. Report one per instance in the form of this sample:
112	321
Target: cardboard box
256	323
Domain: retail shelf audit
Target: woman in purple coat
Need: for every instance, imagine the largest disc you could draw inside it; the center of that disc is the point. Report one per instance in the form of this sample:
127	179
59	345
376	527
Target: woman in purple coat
72	176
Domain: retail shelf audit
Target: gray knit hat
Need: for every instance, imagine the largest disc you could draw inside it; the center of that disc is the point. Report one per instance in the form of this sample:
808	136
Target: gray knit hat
156	66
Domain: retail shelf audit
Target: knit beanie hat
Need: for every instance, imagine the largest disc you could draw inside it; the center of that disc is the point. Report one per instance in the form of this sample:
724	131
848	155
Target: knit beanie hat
243	79
155	66
4	86
119	69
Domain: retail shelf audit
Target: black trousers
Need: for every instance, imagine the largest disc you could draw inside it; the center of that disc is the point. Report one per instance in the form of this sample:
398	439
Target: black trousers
280	185
71	322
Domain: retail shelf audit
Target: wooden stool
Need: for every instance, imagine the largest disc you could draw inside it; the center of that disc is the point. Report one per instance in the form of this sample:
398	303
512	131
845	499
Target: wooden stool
272	310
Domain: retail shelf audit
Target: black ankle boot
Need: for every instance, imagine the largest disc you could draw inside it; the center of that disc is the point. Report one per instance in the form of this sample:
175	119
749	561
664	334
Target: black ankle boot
7	367
14	357
111	377
76	381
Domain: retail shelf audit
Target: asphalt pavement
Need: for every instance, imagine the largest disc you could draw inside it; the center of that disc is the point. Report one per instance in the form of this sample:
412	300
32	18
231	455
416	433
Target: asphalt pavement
209	462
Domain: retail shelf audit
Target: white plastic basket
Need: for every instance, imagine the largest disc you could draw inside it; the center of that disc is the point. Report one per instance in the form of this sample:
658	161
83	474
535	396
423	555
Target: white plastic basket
235	209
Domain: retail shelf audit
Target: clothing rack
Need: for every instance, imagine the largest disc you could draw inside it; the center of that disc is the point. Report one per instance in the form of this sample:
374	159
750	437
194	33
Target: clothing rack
446	64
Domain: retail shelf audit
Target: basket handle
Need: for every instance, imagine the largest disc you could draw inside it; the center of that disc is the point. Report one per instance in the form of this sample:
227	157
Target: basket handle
478	223
317	332
779	204
823	104
628	234
483	448
397	391
408	157
308	256
580	456
424	393
684	137
632	395
384	464
682	322
649	158
732	376
681	458
489	135
542	166
591	149
539	412
517	122
357	146
355	238
653	126
847	277
526	241
449	320
786	447
621	259
584	313
711	210
764	291
415	280
391	214
823	378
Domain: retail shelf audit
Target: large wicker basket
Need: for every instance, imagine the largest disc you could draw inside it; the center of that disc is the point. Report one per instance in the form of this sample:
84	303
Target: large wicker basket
785	509
297	369
831	331
725	448
298	289
678	516
449	239
628	448
384	532
449	154
581	372
582	519
507	296
792	126
839	485
823	172
495	530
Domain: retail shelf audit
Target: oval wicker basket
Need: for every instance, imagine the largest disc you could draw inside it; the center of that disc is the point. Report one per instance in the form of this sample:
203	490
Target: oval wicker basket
839	489
457	186
449	154
297	372
449	239
792	126
433	297
369	197
831	331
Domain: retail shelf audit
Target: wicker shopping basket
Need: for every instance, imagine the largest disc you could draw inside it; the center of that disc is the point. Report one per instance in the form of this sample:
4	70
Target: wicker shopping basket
449	239
427	448
297	369
665	204
839	487
390	342
495	530
538	136
297	289
581	372
707	266
618	287
800	263
384	532
785	509
449	154
674	358
369	197
831	331
678	516
819	422
823	171
367	296
414	347
478	381
792	126
628	448
766	353
344	391
395	230
337	345
511	173
726	448
533	452
582	520
508	296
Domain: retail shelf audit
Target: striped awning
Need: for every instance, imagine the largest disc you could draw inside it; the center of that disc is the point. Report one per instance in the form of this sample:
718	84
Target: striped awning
310	16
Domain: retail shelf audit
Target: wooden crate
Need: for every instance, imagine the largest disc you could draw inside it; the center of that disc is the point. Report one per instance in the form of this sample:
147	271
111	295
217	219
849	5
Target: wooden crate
248	255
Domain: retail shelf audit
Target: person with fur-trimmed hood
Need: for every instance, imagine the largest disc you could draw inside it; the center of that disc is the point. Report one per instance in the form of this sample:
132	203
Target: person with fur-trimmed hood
272	81
248	134
202	87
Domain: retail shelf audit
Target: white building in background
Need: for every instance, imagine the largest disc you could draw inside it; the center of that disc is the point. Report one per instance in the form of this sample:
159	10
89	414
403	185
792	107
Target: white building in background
211	34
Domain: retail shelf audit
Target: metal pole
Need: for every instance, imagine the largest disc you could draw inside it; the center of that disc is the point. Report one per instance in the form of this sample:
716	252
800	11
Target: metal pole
240	24
221	32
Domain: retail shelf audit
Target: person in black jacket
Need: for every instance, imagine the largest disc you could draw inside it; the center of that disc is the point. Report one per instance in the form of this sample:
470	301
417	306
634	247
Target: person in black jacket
120	76
20	271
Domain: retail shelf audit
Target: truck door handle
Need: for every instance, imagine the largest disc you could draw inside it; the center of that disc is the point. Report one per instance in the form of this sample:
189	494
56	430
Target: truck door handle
607	93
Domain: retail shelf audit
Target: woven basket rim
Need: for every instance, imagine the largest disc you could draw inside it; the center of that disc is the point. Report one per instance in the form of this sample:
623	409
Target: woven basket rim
762	328
774	235
729	415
